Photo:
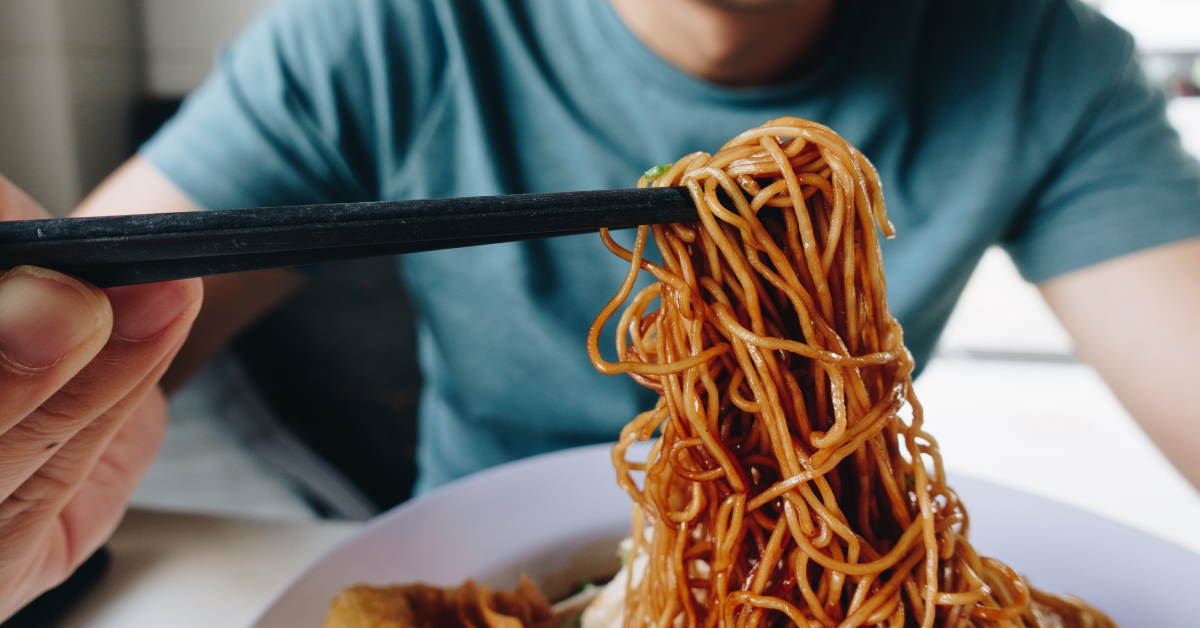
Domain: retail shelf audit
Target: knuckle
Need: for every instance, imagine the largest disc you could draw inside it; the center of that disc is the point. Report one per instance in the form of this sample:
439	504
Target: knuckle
45	425
21	509
64	411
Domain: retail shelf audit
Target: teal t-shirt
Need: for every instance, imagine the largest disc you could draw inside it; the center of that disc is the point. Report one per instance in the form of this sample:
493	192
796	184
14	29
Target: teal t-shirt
1020	122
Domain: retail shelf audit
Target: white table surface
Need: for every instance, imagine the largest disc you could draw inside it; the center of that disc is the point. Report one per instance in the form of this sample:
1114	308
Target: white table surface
187	570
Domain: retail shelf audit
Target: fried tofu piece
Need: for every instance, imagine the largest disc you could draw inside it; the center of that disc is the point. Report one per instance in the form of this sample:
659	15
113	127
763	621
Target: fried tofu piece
425	606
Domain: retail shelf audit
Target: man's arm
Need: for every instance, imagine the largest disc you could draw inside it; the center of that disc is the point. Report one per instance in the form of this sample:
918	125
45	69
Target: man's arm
1136	319
231	302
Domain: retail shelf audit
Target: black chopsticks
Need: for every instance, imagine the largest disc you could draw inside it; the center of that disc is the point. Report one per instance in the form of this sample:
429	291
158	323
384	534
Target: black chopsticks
127	250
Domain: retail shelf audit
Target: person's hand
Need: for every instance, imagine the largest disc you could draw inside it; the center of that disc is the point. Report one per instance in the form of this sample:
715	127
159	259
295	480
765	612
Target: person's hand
81	413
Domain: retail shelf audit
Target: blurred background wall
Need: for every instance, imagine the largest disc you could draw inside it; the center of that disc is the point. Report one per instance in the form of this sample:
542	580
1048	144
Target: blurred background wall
69	71
181	36
75	73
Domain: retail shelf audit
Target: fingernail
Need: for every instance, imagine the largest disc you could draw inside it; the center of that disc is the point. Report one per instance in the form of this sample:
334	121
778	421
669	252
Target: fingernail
143	312
44	316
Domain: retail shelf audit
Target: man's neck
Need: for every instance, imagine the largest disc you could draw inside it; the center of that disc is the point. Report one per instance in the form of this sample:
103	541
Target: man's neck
739	43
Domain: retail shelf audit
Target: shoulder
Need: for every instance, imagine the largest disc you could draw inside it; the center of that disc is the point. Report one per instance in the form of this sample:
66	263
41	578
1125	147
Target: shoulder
1015	18
1049	38
1006	48
1038	68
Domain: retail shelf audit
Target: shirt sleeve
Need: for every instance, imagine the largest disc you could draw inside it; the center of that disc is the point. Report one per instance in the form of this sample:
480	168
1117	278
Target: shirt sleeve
1122	181
306	106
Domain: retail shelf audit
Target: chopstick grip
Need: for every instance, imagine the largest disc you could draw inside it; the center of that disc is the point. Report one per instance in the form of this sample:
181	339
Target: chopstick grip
126	250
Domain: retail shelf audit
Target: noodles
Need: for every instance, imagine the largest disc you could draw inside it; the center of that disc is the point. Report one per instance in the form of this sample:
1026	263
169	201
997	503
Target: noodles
785	487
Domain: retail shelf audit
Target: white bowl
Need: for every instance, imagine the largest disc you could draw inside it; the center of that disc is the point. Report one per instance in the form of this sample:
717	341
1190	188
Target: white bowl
557	518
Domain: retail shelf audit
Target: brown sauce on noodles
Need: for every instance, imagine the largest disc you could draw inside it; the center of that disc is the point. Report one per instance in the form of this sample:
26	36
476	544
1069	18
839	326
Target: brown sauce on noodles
786	487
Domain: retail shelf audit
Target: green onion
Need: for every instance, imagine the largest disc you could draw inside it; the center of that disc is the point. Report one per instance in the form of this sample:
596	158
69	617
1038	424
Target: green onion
657	171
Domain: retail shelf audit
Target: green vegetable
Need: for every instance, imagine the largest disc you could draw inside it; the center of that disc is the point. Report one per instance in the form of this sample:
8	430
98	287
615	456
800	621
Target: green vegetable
657	171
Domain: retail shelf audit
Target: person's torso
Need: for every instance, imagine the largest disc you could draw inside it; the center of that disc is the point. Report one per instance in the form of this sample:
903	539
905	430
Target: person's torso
544	95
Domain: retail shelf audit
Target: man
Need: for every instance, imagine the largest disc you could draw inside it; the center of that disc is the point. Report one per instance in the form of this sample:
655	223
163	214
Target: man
1025	123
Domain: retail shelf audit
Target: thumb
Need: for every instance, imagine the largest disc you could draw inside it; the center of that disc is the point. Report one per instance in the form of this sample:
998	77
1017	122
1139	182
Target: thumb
16	205
51	326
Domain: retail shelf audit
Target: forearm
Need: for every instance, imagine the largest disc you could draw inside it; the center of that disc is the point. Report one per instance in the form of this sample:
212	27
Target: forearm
1135	319
231	302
